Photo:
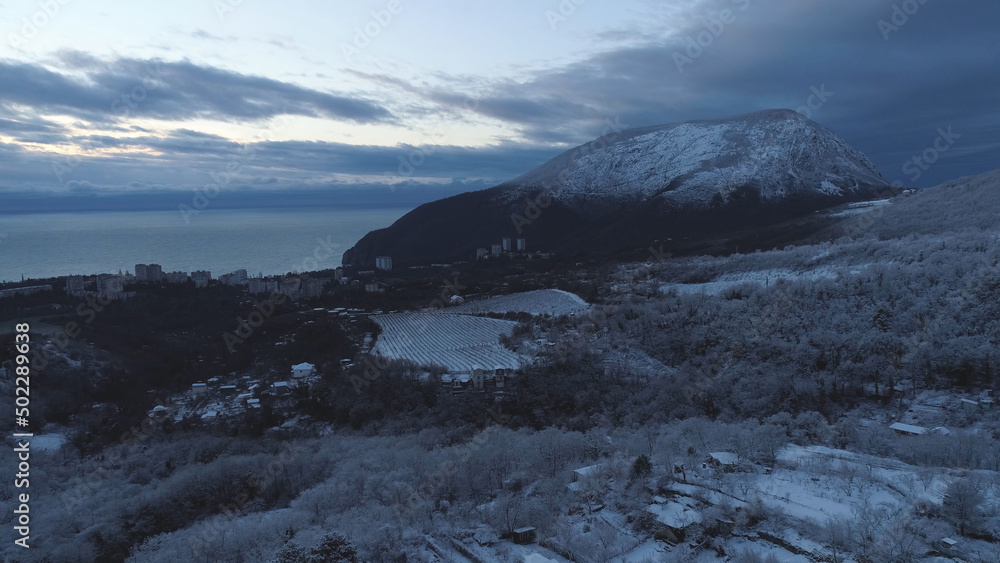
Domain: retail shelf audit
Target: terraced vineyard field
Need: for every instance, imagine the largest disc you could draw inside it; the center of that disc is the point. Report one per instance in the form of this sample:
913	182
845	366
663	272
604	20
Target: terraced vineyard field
457	342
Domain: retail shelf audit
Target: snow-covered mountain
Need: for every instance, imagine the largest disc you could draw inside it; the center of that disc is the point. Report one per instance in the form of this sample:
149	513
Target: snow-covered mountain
720	182
777	153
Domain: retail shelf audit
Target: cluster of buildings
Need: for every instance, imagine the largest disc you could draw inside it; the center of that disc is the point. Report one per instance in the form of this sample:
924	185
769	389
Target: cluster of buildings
27	290
978	404
218	397
154	273
498	249
305	287
108	286
481	380
201	278
506	246
302	286
113	285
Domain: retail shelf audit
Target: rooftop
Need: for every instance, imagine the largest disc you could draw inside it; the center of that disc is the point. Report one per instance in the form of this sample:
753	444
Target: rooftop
907	428
589	470
675	514
725	458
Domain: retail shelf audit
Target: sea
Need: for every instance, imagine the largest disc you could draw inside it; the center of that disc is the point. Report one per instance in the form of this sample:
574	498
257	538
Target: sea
263	241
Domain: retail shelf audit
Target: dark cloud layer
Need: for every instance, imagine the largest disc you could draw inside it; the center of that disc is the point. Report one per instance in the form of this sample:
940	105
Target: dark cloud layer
187	160
110	91
895	78
892	83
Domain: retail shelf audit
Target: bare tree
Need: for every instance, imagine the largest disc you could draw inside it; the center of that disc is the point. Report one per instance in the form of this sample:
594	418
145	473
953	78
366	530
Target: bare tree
593	487
847	475
900	541
607	537
963	503
868	523
507	510
837	533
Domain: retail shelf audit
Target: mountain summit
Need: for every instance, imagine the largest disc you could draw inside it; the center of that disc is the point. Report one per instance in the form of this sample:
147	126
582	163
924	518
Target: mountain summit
772	155
696	180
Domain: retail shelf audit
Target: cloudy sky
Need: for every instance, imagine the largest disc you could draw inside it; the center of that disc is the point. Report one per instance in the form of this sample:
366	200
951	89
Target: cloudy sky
106	97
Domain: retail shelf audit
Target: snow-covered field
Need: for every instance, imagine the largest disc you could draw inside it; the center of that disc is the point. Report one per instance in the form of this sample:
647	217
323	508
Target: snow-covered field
821	483
457	342
759	277
859	207
553	302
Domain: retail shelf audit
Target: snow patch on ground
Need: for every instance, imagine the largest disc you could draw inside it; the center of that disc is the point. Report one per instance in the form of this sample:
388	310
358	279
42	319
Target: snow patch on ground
858	208
759	277
764	550
829	188
552	302
647	552
48	442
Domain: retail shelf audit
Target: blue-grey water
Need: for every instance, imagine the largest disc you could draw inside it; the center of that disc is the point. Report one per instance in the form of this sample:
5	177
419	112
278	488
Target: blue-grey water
261	240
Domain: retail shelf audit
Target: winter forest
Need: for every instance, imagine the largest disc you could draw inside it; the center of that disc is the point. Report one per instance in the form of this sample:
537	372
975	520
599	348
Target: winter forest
730	408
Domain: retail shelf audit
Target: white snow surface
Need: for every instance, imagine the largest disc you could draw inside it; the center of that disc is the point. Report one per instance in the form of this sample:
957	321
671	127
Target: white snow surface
859	207
759	277
676	514
808	493
647	551
553	302
48	442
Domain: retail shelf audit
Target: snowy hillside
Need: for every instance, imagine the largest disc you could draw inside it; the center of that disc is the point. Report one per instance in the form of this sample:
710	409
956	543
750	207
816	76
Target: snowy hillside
733	181
778	152
970	202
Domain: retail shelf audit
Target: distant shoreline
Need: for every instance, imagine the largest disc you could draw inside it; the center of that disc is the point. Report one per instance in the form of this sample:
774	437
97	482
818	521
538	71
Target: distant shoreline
268	241
56	209
12	203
